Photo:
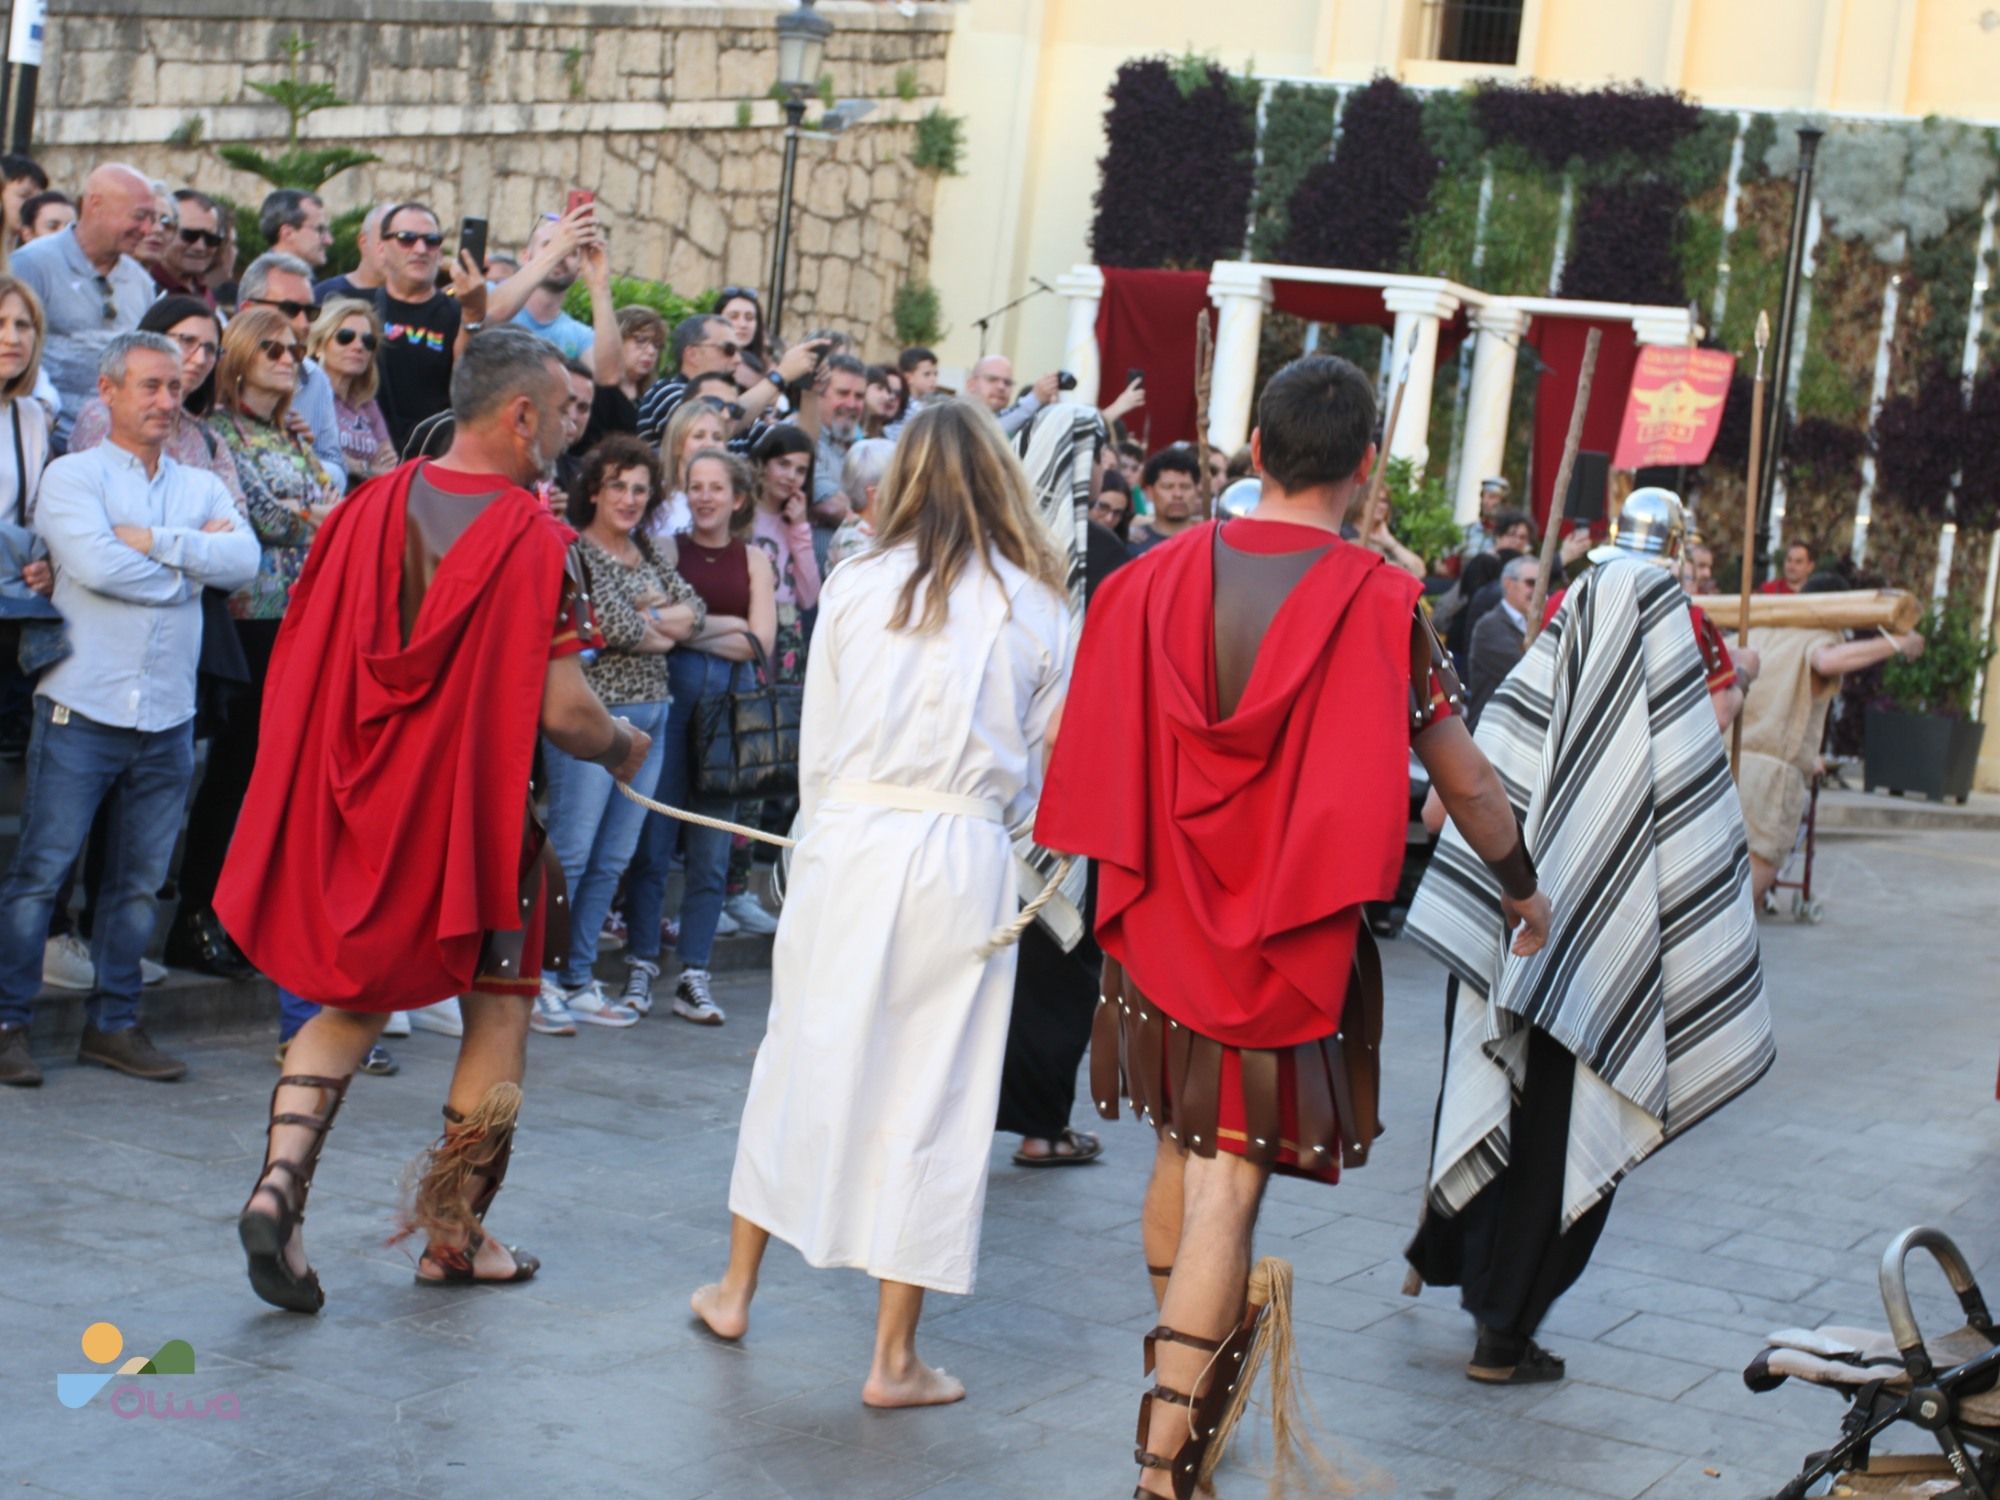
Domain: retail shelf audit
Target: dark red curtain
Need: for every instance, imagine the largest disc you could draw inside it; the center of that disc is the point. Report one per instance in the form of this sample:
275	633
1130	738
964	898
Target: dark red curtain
1560	342
1146	322
1354	307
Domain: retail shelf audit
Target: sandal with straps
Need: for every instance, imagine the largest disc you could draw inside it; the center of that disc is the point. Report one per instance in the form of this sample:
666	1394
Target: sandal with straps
456	1264
263	1235
1205	1410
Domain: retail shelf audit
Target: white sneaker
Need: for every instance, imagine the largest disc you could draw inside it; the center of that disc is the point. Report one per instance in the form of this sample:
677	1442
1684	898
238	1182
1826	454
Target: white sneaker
66	963
692	1001
398	1024
445	1018
638	993
593	1007
151	973
750	914
551	1017
726	925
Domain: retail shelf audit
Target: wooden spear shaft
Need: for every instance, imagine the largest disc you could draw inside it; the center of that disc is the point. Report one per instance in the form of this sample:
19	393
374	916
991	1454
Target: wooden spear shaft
1379	475
1559	500
1204	381
1750	519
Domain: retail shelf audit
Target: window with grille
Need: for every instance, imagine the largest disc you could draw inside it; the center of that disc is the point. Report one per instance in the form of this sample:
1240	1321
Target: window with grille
1472	31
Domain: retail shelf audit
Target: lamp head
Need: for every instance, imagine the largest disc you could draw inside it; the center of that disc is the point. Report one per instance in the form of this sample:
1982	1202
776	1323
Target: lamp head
802	35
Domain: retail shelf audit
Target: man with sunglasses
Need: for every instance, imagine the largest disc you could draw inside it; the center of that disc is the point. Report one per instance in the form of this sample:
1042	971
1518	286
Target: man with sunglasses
91	287
423	328
705	344
283	283
190	249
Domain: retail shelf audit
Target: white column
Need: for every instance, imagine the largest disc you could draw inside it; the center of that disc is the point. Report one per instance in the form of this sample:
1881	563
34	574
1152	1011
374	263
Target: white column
1240	293
1084	286
1418	310
1671	326
1499	328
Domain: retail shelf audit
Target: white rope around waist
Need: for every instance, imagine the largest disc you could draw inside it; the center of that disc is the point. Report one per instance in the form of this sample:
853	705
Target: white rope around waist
914	799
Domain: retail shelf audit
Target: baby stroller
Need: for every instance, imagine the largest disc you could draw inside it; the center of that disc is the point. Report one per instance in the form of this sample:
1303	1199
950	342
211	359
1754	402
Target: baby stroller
1945	1386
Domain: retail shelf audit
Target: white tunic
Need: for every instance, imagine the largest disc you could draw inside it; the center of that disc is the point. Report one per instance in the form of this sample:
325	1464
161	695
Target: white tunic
869	1121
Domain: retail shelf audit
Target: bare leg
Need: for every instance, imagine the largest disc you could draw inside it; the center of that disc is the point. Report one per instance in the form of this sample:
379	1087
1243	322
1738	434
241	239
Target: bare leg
1206	1293
330	1045
493	1050
725	1305
1763	875
898	1377
1160	1220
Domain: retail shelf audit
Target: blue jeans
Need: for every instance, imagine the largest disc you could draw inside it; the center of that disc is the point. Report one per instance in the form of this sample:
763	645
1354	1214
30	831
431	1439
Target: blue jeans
705	852
293	1013
73	769
594	832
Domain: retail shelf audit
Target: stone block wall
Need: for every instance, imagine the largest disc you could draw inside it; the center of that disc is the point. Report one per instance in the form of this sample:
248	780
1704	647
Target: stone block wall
492	108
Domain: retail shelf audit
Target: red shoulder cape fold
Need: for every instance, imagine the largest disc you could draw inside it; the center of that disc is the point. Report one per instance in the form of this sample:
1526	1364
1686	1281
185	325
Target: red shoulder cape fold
1233	856
382	834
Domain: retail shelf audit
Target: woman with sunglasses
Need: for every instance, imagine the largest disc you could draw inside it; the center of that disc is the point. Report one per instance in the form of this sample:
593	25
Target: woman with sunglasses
344	340
739	308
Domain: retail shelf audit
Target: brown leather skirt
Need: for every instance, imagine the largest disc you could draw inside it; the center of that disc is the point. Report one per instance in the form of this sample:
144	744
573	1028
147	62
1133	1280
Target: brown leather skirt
1293	1109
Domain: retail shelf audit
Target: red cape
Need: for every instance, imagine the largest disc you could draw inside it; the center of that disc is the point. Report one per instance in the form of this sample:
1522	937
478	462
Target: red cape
382	835
1233	857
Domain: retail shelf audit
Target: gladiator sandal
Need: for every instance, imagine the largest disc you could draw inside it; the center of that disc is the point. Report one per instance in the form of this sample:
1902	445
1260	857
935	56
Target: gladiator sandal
264	1235
463	1175
1186	1468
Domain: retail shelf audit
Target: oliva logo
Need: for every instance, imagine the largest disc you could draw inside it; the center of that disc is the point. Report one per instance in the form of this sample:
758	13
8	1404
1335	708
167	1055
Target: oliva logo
103	1343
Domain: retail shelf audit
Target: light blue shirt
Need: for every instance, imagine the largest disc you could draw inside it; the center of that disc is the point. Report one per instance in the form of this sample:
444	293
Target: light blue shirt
85	310
829	459
314	404
565	332
134	618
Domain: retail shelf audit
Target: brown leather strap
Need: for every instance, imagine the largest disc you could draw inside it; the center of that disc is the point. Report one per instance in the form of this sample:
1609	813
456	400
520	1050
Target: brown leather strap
1161	1271
1429	659
1197	1110
1357	1075
1261	1116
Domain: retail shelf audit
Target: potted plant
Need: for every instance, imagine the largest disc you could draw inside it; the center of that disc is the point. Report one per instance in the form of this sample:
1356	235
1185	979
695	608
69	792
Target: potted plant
1921	736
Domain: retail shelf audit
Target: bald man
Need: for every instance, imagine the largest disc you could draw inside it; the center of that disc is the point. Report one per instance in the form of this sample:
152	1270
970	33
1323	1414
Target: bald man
365	277
92	289
992	382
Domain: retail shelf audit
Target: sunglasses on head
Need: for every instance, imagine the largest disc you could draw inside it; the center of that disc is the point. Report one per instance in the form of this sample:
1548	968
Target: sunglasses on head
275	351
206	237
410	237
306	310
349	335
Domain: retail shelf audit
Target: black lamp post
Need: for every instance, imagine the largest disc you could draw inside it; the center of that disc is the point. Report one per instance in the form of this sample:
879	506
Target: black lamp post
802	35
24	65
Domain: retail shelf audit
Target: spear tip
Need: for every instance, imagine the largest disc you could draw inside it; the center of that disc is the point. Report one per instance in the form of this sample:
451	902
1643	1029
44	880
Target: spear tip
1763	331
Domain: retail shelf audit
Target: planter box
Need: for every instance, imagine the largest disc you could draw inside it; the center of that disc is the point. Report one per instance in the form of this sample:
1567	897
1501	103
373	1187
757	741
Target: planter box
1921	753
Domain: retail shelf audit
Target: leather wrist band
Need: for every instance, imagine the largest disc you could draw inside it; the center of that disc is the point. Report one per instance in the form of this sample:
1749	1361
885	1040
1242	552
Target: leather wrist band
1515	871
613	756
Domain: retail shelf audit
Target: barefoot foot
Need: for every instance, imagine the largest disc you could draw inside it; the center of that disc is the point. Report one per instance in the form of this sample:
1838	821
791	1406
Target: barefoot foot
726	1313
919	1385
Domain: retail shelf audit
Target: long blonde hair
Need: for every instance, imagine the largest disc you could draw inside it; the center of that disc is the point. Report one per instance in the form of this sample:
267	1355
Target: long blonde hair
331	316
23	384
956	491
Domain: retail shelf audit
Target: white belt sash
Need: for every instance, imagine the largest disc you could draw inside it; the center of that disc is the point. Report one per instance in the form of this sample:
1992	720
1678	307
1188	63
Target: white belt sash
915	799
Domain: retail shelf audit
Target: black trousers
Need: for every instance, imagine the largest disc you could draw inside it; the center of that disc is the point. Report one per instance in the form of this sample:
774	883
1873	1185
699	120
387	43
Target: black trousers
1055	994
1506	1251
231	755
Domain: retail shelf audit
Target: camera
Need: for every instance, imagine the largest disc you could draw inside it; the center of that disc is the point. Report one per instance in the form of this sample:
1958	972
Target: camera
1065	381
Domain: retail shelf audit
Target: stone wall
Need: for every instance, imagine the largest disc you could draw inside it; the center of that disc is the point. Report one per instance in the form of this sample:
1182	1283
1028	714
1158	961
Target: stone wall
499	109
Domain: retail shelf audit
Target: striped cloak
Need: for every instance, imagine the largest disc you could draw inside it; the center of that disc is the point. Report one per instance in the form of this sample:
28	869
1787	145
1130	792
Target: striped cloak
1607	745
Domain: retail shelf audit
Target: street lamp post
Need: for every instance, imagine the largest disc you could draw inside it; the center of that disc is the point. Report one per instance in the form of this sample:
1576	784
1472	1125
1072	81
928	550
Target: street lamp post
802	35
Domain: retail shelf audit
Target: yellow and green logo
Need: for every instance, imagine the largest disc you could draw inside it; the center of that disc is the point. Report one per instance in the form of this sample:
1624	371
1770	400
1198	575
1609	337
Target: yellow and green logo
102	1344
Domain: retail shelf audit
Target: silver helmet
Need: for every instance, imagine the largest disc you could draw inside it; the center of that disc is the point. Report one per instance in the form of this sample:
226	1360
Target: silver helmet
1239	499
1651	526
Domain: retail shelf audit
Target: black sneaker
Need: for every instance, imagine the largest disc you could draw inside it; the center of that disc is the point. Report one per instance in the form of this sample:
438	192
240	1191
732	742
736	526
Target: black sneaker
692	1001
379	1062
16	1066
129	1051
1510	1359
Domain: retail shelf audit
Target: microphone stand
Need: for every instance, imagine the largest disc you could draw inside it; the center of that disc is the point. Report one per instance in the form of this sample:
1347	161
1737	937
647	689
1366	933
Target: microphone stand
1036	287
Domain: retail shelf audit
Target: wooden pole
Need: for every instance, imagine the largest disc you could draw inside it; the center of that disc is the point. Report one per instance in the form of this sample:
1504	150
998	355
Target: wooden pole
1753	490
1558	501
1379	475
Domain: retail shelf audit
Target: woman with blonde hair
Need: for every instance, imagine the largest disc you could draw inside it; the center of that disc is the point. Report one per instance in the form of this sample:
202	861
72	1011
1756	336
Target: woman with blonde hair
694	425
344	339
938	667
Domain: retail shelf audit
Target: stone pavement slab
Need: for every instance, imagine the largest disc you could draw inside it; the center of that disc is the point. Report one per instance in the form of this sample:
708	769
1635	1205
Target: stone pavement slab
117	1200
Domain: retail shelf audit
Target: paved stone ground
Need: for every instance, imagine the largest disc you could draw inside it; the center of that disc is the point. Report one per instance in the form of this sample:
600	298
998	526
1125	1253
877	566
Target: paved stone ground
116	1200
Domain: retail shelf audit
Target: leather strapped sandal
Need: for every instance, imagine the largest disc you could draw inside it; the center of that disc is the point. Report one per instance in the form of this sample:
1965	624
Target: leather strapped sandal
480	1151
1205	1409
264	1235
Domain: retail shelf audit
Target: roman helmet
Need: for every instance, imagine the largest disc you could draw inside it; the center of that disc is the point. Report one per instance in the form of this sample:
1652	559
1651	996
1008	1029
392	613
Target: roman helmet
1239	499
1651	526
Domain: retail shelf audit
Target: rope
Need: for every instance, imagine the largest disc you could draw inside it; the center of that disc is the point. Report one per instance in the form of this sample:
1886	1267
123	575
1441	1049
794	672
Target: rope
1004	936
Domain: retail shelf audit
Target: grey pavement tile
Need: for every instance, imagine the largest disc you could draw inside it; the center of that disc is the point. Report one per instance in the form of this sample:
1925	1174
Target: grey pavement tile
1685	1341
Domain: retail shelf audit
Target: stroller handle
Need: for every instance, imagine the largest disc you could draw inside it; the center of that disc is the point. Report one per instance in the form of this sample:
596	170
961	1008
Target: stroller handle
1896	1293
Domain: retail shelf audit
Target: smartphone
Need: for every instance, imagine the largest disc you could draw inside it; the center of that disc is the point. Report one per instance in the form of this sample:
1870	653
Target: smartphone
577	198
472	241
1135	376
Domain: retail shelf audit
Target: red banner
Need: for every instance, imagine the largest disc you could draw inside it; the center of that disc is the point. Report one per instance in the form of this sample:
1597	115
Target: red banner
1674	409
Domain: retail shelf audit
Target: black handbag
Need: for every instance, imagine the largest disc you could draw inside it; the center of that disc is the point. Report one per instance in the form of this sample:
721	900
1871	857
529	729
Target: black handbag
744	745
